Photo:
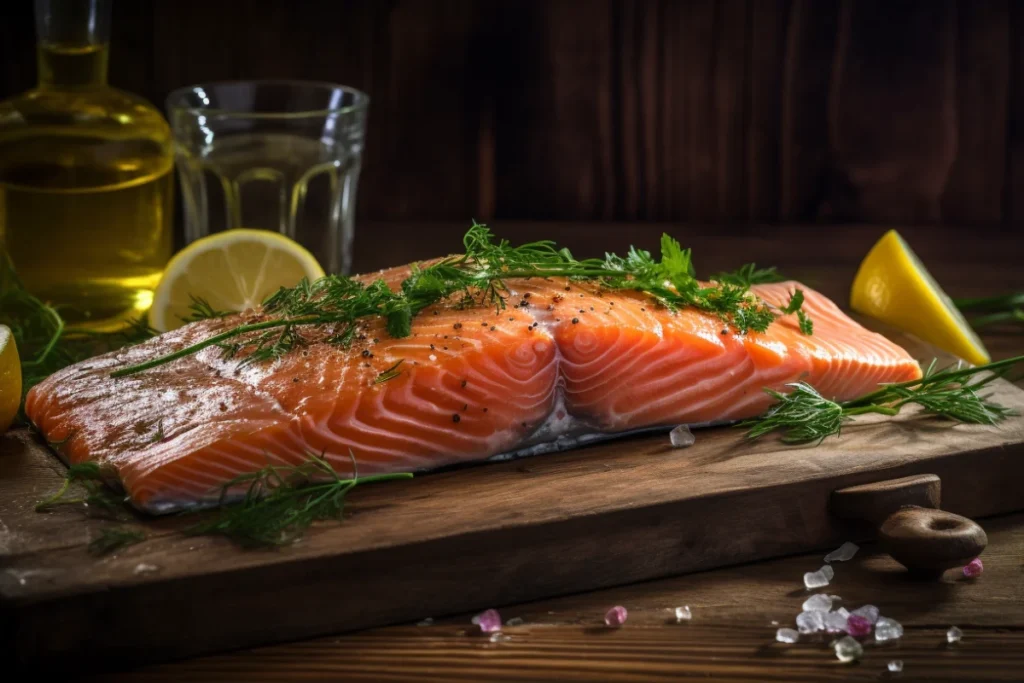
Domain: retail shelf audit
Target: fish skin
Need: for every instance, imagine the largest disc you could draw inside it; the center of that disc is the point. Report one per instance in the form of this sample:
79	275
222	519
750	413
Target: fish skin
572	364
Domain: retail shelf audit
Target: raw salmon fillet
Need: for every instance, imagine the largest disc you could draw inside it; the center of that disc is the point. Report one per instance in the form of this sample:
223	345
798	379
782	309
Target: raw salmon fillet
562	360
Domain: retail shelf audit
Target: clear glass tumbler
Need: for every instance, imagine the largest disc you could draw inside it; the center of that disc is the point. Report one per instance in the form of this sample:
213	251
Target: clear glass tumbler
276	155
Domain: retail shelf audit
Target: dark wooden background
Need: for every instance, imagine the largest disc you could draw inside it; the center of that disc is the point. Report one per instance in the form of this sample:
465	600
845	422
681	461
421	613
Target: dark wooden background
724	112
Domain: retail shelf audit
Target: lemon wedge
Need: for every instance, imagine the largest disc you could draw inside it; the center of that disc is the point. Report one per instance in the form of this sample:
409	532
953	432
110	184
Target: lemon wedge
10	378
231	270
892	285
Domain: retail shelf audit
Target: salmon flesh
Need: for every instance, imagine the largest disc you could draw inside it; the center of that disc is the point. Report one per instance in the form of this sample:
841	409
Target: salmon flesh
563	363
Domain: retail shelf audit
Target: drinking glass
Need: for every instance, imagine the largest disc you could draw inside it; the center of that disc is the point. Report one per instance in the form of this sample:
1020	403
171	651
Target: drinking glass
276	155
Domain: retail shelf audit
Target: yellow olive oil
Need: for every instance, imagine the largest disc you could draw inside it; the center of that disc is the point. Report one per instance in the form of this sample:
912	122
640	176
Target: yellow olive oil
86	187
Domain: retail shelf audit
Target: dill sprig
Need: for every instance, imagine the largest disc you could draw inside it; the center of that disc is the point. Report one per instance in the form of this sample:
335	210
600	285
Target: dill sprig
110	540
202	310
99	483
479	275
749	274
281	502
993	310
804	415
44	341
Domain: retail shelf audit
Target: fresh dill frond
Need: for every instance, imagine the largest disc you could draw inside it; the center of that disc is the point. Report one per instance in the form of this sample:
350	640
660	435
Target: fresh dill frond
97	480
110	540
390	373
477	277
281	502
749	274
202	310
954	393
44	342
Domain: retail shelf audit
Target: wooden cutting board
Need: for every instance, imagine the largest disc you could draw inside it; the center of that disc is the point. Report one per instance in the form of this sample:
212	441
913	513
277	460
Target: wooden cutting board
466	539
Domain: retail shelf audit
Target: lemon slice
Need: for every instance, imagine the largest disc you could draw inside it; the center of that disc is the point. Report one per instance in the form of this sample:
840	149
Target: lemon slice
892	285
10	378
231	270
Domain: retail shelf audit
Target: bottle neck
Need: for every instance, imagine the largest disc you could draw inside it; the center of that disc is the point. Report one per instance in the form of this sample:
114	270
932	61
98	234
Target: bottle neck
73	39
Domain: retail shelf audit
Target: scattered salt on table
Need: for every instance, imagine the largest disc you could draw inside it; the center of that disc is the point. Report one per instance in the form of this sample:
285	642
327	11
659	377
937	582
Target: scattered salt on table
818	579
681	437
835	622
500	637
887	629
869	612
843	553
895	665
848	649
810	622
683	613
787	635
514	621
489	621
843	612
974	568
953	635
818	603
858	626
616	616
144	568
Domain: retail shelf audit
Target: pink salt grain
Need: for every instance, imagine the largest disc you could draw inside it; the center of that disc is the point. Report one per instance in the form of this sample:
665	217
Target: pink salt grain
974	568
489	621
857	626
616	616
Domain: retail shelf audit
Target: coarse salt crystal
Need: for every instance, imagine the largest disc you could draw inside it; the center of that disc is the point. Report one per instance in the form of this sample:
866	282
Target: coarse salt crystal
974	568
432	357
843	553
953	635
500	637
818	603
847	649
828	572
887	629
858	626
835	622
869	612
787	635
683	613
681	437
144	568
810	622
616	616
489	621
816	579
843	612
895	665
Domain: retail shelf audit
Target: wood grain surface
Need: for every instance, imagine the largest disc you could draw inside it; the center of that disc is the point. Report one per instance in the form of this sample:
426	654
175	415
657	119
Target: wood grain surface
721	111
656	538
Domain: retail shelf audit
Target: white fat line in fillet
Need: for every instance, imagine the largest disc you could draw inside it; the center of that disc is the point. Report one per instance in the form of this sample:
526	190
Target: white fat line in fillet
636	365
708	388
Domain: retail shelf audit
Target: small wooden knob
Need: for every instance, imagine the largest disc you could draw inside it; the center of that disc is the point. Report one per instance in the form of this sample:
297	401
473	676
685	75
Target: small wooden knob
930	541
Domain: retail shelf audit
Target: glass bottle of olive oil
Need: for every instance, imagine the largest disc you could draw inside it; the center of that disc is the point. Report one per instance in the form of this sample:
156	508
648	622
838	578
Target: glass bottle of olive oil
86	182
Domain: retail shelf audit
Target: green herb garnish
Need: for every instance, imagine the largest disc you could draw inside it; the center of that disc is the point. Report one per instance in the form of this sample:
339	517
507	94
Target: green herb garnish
390	373
803	415
110	540
96	480
480	276
45	344
281	502
750	274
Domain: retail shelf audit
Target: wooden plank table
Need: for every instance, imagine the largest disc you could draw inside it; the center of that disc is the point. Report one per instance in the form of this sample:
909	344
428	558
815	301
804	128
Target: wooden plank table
731	636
